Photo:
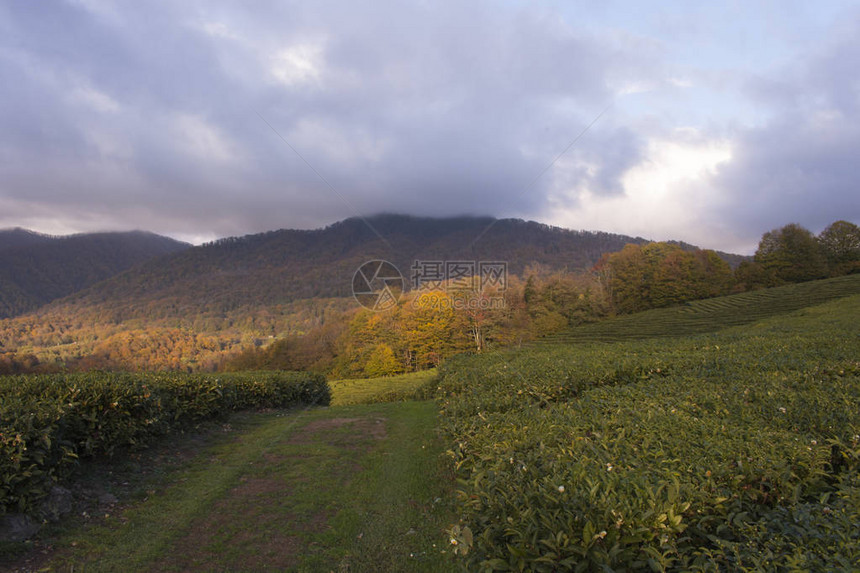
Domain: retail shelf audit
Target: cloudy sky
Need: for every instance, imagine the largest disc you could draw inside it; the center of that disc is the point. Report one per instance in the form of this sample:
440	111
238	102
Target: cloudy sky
705	122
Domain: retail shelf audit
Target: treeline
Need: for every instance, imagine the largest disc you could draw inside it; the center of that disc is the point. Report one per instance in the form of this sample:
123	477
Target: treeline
336	337
428	326
664	274
793	254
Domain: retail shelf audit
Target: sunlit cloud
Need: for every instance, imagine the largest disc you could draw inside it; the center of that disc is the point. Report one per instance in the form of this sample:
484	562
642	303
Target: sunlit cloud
299	65
667	195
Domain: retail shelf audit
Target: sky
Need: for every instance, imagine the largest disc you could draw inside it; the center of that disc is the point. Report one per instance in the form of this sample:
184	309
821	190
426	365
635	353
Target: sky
709	123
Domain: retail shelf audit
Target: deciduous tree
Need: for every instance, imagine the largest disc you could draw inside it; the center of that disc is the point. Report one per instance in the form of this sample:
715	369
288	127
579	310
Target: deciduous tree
791	254
840	244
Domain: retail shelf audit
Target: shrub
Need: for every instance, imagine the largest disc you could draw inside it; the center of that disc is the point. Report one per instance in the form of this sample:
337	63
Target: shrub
732	451
48	422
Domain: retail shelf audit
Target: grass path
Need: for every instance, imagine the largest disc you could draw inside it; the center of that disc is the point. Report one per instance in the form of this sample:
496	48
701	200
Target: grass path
348	488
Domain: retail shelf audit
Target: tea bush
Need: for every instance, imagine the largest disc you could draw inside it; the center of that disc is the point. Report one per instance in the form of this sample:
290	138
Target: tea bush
731	451
47	422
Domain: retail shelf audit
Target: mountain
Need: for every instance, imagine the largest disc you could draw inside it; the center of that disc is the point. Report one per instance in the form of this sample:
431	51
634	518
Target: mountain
36	269
189	308
284	266
13	238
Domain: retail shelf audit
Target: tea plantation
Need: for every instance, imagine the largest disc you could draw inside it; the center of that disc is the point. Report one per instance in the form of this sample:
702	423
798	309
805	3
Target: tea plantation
712	314
661	441
47	422
731	451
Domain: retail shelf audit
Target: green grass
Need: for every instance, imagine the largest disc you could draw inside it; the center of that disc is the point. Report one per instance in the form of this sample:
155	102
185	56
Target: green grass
711	315
385	389
357	488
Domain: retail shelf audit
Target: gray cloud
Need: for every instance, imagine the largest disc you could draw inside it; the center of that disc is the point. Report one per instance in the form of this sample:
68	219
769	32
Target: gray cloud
127	114
800	163
146	114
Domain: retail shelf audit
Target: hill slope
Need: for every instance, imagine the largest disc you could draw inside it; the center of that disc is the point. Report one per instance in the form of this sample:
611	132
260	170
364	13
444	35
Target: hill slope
14	238
731	451
710	315
284	266
188	309
36	269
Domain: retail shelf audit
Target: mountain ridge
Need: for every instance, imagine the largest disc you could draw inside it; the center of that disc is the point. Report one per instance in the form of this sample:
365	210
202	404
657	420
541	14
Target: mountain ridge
286	265
20	237
189	308
36	269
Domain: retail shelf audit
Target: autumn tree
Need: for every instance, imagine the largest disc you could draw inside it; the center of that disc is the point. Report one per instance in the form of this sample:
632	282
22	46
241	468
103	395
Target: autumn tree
381	362
432	329
688	275
510	324
751	275
662	274
556	300
628	279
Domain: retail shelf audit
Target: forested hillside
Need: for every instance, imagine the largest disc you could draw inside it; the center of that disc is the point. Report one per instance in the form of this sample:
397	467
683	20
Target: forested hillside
187	309
12	238
36	269
280	267
203	287
196	308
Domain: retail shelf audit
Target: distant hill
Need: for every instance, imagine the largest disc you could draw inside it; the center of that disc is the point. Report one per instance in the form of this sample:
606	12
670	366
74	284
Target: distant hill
14	238
280	267
36	269
188	308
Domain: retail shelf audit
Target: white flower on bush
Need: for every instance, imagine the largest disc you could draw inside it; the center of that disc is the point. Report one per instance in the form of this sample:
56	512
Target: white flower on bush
561	489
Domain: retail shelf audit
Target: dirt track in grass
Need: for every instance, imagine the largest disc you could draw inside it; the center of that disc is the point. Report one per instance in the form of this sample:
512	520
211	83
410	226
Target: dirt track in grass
255	515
